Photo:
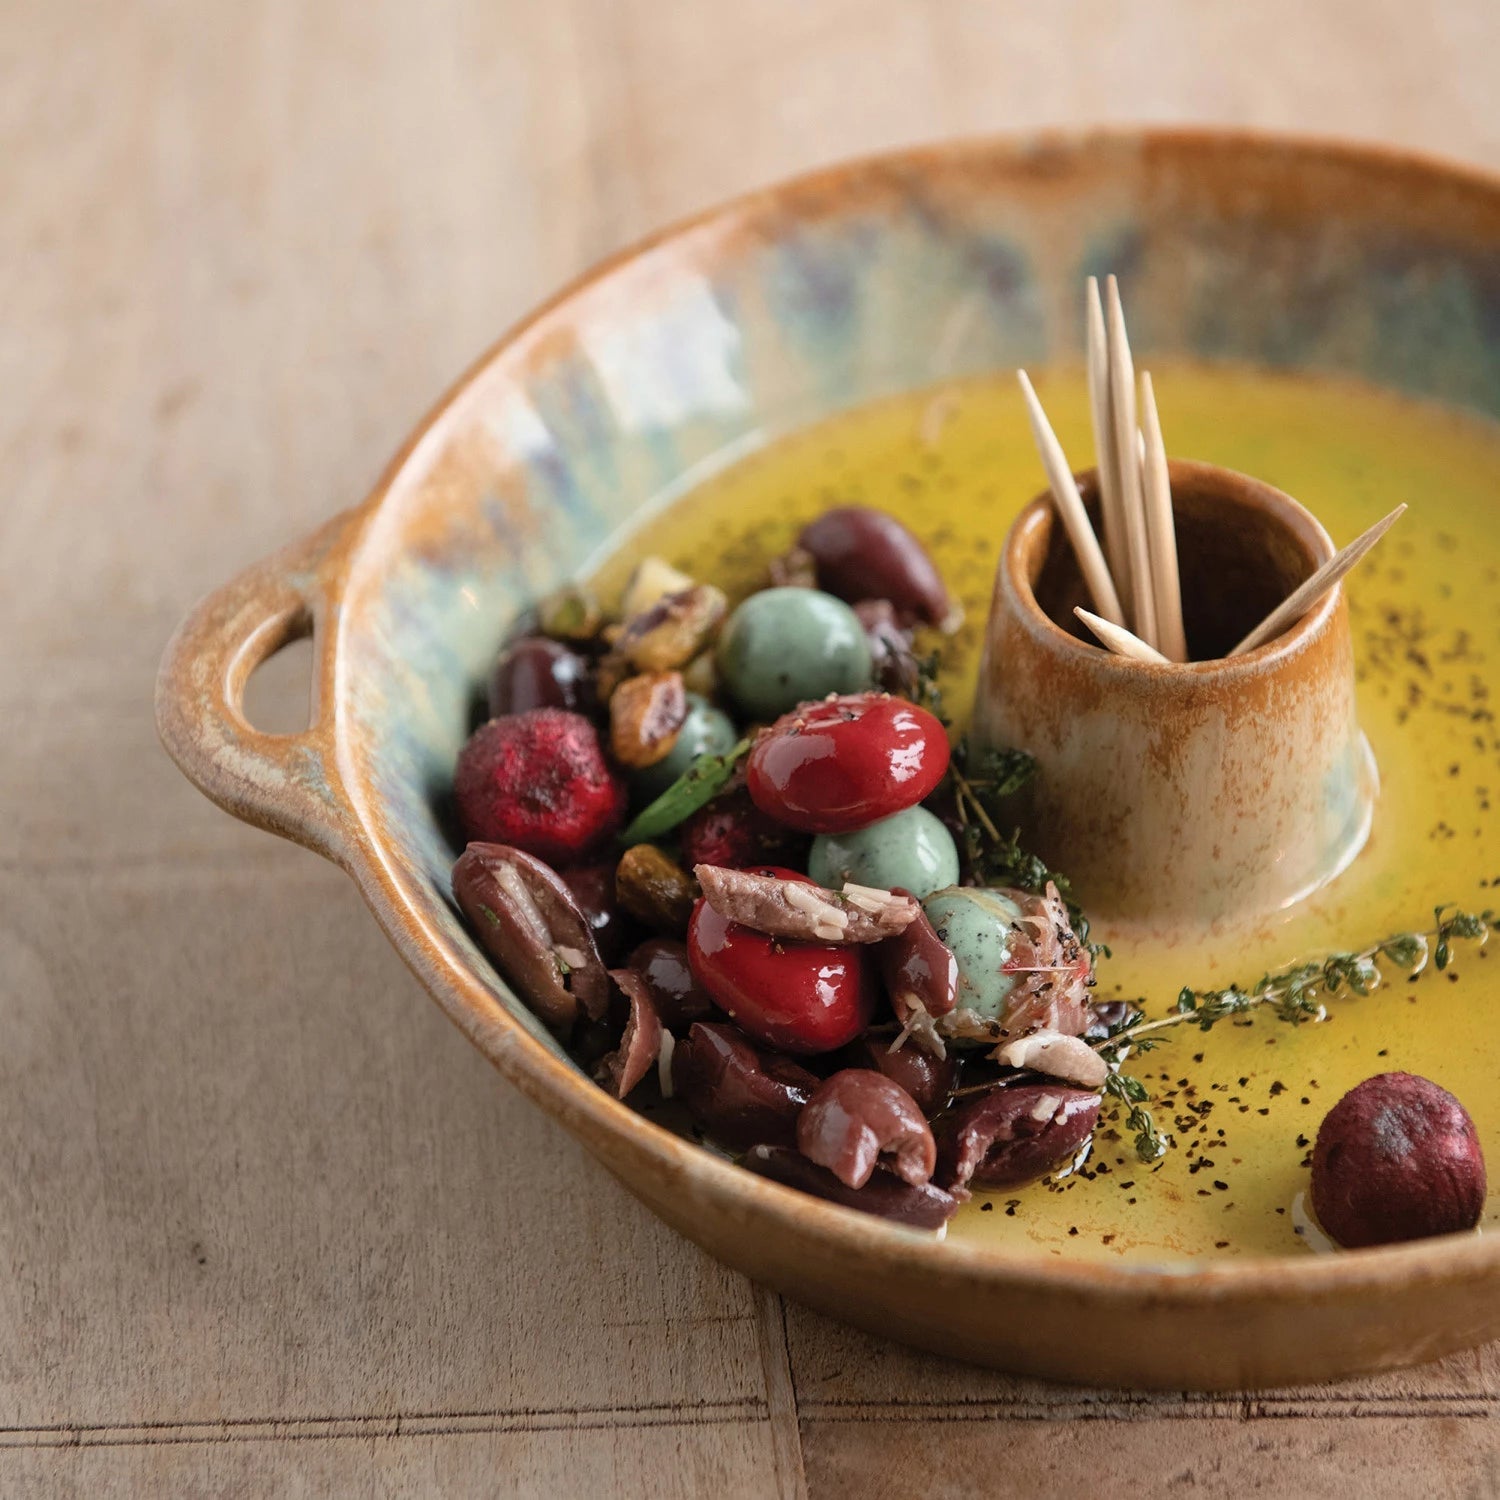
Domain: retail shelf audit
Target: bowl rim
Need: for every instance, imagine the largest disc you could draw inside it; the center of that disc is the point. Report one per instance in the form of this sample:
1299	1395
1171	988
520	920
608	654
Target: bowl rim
565	1092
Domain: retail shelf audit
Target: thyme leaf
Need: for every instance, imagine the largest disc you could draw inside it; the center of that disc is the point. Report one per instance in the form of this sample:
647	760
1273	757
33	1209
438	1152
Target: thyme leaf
699	784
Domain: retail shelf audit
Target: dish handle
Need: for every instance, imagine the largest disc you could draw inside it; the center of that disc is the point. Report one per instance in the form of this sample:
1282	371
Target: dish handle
287	784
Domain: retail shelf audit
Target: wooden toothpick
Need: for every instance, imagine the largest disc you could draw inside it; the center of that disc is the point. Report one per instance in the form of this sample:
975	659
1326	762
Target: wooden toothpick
1070	507
1116	548
1161	531
1291	609
1122	410
1118	639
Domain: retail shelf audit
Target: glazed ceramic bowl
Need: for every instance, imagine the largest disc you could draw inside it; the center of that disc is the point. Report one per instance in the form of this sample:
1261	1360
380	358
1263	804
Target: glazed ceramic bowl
1193	795
758	317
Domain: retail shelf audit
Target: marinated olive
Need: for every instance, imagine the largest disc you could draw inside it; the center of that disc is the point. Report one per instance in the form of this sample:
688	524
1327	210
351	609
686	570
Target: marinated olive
1013	1134
975	925
929	1080
911	849
846	762
662	964
593	888
705	731
868	554
787	646
923	1206
744	1097
859	1117
537	673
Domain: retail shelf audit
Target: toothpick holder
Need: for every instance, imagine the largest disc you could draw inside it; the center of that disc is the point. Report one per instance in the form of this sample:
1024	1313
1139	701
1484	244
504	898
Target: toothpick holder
1183	795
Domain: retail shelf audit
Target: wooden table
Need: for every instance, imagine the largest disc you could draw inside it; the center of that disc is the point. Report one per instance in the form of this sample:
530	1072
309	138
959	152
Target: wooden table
267	1223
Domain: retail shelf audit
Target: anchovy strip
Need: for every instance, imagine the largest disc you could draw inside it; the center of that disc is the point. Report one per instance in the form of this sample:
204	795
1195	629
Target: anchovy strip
803	912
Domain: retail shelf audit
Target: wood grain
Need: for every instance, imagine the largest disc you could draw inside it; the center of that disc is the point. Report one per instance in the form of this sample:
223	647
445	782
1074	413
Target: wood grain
266	1223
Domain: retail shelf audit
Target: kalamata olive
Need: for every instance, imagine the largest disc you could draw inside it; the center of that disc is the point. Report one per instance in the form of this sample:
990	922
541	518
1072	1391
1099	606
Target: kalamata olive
654	889
593	888
636	1055
706	730
868	554
731	831
538	673
795	997
526	919
924	1206
1013	1134
785	646
919	970
738	1095
929	1080
910	849
859	1117
891	656
1397	1158
843	763
662	964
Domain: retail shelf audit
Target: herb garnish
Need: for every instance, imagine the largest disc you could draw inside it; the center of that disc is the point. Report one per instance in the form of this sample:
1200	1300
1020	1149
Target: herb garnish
698	785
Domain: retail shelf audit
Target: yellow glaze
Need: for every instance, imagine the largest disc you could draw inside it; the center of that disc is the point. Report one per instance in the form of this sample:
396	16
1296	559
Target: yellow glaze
957	464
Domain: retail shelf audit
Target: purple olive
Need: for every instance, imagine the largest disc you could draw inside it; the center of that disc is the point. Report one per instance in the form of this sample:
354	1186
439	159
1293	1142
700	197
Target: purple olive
663	964
868	554
737	1094
929	1080
534	672
890	643
919	970
1014	1134
920	1206
858	1118
640	1043
593	888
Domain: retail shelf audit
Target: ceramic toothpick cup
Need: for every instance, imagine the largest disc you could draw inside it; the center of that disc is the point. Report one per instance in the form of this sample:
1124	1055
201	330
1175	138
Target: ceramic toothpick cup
1182	796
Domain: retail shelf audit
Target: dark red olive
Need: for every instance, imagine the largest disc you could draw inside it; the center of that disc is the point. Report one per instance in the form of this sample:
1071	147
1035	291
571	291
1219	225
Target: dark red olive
1013	1134
640	1043
919	970
929	1080
923	1206
593	888
663	964
534	672
868	554
846	762
737	1094
733	833
859	1118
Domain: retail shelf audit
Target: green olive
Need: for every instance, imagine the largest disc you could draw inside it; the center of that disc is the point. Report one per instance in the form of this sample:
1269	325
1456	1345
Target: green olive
975	925
706	731
783	647
911	849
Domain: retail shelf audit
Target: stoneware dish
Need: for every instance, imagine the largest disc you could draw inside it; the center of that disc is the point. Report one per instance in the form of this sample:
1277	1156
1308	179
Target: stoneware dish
775	311
1184	795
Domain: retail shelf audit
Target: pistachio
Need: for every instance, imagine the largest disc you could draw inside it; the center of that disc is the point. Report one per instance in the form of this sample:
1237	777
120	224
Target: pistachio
674	630
653	578
655	889
646	713
570	613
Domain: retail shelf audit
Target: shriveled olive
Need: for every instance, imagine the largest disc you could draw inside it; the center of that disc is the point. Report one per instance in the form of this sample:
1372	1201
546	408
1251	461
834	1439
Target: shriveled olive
673	630
859	1117
891	652
923	1206
539	673
929	1080
570	613
593	888
1013	1134
655	889
641	1041
526	919
662	964
739	1095
646	715
868	554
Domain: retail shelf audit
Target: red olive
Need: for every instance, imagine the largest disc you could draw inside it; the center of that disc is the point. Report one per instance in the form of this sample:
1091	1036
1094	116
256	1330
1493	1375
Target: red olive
796	997
846	762
1014	1134
537	673
738	1095
858	1118
731	831
868	554
662	964
925	1206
